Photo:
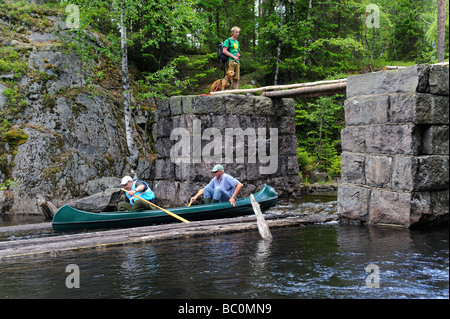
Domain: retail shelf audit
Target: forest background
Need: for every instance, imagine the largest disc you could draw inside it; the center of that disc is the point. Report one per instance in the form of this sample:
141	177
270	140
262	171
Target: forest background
170	48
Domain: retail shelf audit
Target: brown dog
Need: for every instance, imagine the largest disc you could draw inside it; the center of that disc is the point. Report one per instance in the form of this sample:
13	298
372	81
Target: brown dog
223	83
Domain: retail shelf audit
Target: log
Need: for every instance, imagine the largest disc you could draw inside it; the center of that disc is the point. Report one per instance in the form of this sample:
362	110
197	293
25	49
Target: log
279	87
56	245
441	63
321	90
263	228
393	67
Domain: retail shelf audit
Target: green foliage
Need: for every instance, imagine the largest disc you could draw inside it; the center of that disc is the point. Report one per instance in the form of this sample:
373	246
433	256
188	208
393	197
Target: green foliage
11	61
27	14
164	82
15	137
407	31
304	161
9	183
156	31
335	167
169	22
313	43
14	99
319	122
334	55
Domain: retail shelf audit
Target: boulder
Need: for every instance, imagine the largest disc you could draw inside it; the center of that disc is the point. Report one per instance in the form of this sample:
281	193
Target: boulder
101	184
99	202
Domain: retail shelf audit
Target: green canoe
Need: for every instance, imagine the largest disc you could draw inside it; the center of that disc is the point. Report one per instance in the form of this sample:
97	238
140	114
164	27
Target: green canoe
68	218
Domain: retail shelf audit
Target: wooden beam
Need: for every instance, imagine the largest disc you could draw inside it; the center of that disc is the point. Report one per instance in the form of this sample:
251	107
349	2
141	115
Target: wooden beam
279	87
393	67
309	91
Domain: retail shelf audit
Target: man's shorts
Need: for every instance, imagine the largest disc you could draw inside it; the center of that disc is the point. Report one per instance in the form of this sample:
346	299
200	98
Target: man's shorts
233	66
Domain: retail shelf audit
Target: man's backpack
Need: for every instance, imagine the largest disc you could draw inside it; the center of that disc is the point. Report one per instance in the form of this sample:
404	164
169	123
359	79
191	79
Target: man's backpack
220	55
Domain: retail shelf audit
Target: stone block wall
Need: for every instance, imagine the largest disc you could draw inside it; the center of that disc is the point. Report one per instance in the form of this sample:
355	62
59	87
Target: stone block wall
395	160
192	135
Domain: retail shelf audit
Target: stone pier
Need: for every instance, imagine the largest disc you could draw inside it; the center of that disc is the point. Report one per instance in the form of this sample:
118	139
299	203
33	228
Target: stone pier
253	137
395	160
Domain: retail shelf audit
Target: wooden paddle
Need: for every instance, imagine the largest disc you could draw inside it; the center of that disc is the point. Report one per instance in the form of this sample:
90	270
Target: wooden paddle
263	228
164	210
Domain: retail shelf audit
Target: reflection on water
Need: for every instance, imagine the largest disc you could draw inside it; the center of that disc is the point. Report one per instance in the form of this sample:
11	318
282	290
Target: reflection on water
11	220
321	261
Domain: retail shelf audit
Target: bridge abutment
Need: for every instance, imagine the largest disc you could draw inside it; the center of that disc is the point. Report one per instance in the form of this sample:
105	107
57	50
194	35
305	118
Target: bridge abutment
253	137
395	160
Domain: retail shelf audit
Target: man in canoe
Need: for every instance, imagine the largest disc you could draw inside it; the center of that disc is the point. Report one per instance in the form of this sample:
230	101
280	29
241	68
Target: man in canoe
221	188
138	188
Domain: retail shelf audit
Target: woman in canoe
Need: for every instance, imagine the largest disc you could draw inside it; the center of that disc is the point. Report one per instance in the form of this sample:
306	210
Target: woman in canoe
138	188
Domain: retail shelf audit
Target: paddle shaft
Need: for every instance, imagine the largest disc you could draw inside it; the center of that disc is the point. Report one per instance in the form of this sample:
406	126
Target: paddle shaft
156	206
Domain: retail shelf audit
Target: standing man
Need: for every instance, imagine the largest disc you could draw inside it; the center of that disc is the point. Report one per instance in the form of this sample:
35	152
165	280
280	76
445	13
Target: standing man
231	49
141	189
221	188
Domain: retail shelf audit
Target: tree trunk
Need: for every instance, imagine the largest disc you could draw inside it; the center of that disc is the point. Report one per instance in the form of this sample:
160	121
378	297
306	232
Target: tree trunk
275	80
372	52
134	154
441	30
308	17
277	69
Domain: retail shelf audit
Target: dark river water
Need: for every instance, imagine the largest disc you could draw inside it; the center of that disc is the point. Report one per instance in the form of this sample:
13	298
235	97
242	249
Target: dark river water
326	261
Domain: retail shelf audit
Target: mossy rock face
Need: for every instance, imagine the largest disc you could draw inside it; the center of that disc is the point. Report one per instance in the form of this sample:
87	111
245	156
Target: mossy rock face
61	115
15	137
